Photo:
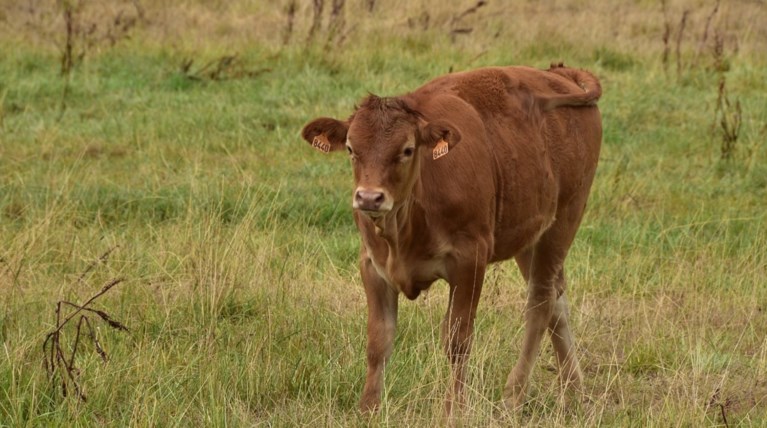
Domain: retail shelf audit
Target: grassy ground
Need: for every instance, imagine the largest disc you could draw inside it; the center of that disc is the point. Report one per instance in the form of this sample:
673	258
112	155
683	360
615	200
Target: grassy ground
237	247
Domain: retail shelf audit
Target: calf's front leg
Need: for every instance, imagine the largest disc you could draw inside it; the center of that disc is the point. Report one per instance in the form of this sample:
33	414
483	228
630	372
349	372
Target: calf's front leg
458	326
382	325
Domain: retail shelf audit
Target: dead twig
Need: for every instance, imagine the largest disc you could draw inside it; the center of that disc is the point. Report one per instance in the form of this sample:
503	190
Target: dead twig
470	10
716	400
55	358
225	67
455	24
467	30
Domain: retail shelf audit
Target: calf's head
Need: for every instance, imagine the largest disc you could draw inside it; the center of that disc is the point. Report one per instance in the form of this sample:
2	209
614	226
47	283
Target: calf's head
385	139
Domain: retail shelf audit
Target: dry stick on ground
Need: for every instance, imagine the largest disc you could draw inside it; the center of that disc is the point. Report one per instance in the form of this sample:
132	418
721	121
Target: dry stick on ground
54	356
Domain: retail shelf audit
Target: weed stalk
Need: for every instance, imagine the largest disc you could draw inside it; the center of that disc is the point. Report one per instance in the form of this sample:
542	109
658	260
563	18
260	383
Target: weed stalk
55	360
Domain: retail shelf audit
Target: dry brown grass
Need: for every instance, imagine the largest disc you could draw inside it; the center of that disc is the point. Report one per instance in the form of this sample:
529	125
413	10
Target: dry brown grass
197	25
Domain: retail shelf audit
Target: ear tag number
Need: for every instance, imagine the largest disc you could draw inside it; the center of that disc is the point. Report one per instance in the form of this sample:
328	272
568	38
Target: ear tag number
440	149
321	143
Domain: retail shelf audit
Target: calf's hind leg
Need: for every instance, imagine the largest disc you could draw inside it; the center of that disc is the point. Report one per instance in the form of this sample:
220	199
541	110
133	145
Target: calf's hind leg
546	309
562	338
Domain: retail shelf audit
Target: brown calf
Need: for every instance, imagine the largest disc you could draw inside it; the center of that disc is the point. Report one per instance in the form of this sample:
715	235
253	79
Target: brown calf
470	169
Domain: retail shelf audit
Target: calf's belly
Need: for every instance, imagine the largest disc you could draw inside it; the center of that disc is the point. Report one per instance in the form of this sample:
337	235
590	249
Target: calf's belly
510	241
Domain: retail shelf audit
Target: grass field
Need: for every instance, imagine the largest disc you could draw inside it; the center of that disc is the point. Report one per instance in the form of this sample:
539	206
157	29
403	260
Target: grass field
235	239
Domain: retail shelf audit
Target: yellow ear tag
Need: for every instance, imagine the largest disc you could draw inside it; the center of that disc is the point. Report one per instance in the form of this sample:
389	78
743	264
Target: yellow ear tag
321	143
440	149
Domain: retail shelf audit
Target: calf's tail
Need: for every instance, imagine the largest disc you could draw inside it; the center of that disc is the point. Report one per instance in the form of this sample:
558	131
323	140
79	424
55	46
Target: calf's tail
592	90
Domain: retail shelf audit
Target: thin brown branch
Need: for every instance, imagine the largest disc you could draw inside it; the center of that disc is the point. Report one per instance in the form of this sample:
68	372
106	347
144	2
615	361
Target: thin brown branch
71	364
70	374
95	339
456	29
54	357
106	288
222	68
469	11
103	315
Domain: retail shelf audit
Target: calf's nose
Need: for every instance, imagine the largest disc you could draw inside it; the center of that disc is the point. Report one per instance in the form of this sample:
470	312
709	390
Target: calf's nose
368	200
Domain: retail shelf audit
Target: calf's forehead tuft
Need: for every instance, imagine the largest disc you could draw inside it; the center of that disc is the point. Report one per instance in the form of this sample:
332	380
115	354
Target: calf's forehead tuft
383	114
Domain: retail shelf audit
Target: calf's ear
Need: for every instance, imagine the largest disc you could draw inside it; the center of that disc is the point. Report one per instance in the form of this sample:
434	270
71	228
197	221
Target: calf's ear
439	136
326	134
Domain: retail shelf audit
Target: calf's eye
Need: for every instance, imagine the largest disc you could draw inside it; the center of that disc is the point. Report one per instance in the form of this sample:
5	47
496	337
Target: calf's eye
408	152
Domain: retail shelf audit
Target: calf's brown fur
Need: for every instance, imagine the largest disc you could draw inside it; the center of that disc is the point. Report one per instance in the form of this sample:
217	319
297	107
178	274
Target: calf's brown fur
469	169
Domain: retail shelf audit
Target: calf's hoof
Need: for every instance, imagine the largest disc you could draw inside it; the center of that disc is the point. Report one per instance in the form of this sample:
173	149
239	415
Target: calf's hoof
514	403
369	405
514	393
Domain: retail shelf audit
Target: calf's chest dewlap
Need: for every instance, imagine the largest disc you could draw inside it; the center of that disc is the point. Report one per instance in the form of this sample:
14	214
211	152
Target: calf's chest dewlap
406	272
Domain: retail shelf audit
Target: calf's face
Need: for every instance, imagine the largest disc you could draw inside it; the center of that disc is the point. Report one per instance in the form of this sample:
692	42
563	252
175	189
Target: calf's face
384	139
384	164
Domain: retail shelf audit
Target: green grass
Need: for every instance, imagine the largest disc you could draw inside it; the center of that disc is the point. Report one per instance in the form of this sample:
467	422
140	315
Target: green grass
238	250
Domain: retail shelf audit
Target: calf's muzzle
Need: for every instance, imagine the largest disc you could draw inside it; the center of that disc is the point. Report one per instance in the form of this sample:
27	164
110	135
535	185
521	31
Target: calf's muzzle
369	200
